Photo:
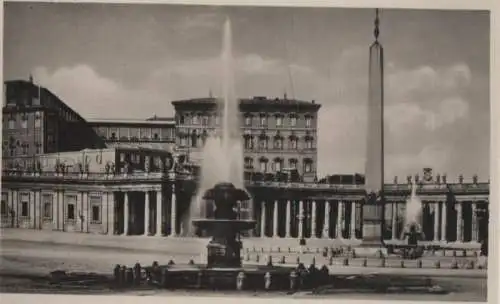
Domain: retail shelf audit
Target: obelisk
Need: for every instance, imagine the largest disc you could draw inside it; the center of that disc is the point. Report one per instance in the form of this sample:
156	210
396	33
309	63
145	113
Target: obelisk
373	209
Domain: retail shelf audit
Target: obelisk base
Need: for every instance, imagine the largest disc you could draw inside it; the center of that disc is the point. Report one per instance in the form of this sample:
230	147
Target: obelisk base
372	229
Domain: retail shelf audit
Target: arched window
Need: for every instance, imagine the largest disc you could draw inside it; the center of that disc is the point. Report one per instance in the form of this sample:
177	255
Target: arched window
292	163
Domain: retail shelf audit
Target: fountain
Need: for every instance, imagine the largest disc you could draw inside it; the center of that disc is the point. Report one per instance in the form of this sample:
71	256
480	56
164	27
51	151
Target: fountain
412	232
224	247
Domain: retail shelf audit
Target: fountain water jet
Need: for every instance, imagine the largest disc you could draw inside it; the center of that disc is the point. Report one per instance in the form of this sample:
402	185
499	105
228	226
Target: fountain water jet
222	155
413	215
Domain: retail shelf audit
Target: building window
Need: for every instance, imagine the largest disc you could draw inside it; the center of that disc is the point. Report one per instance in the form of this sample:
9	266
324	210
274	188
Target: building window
309	142
25	148
308	121
293	120
196	119
182	119
3	207
70	212
155	136
292	163
217	120
47	206
183	141
278	164
293	142
38	147
248	120
96	214
24	121
263	142
263	165
204	120
278	142
194	139
263	120
12	122
25	209
47	210
248	142
248	163
38	120
307	165
279	121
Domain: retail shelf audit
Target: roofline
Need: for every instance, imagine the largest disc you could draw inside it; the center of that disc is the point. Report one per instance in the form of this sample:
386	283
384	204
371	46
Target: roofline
130	121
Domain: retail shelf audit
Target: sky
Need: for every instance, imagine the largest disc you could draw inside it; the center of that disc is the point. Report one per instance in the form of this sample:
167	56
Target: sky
131	61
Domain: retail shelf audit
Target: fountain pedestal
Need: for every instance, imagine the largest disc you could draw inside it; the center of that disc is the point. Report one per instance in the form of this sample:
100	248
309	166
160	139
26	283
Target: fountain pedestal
224	247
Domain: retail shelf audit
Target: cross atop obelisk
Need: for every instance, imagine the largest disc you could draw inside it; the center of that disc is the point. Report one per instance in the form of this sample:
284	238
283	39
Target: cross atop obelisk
373	210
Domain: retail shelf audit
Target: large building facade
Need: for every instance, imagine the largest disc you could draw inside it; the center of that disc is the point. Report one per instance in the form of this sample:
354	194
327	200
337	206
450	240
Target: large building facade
277	134
35	121
155	132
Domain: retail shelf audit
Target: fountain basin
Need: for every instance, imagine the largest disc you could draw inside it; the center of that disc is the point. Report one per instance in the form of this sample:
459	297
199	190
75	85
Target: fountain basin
221	278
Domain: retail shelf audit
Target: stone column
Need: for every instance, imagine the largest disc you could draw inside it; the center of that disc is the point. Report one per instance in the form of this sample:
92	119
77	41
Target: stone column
55	216
301	220
146	213
444	212
288	219
326	222
263	220
313	220
394	221
159	214
173	215
338	232
436	221
111	212
458	206
85	211
474	233
31	209
353	220
125	213
275	219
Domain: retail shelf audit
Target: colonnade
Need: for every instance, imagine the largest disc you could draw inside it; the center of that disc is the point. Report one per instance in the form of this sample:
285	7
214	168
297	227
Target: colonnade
160	215
445	221
309	219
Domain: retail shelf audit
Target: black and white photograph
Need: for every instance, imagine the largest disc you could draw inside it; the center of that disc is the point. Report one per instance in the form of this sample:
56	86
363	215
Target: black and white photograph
284	152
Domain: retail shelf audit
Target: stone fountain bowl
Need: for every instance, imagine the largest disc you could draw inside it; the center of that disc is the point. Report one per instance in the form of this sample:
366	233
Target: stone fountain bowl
223	224
226	192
